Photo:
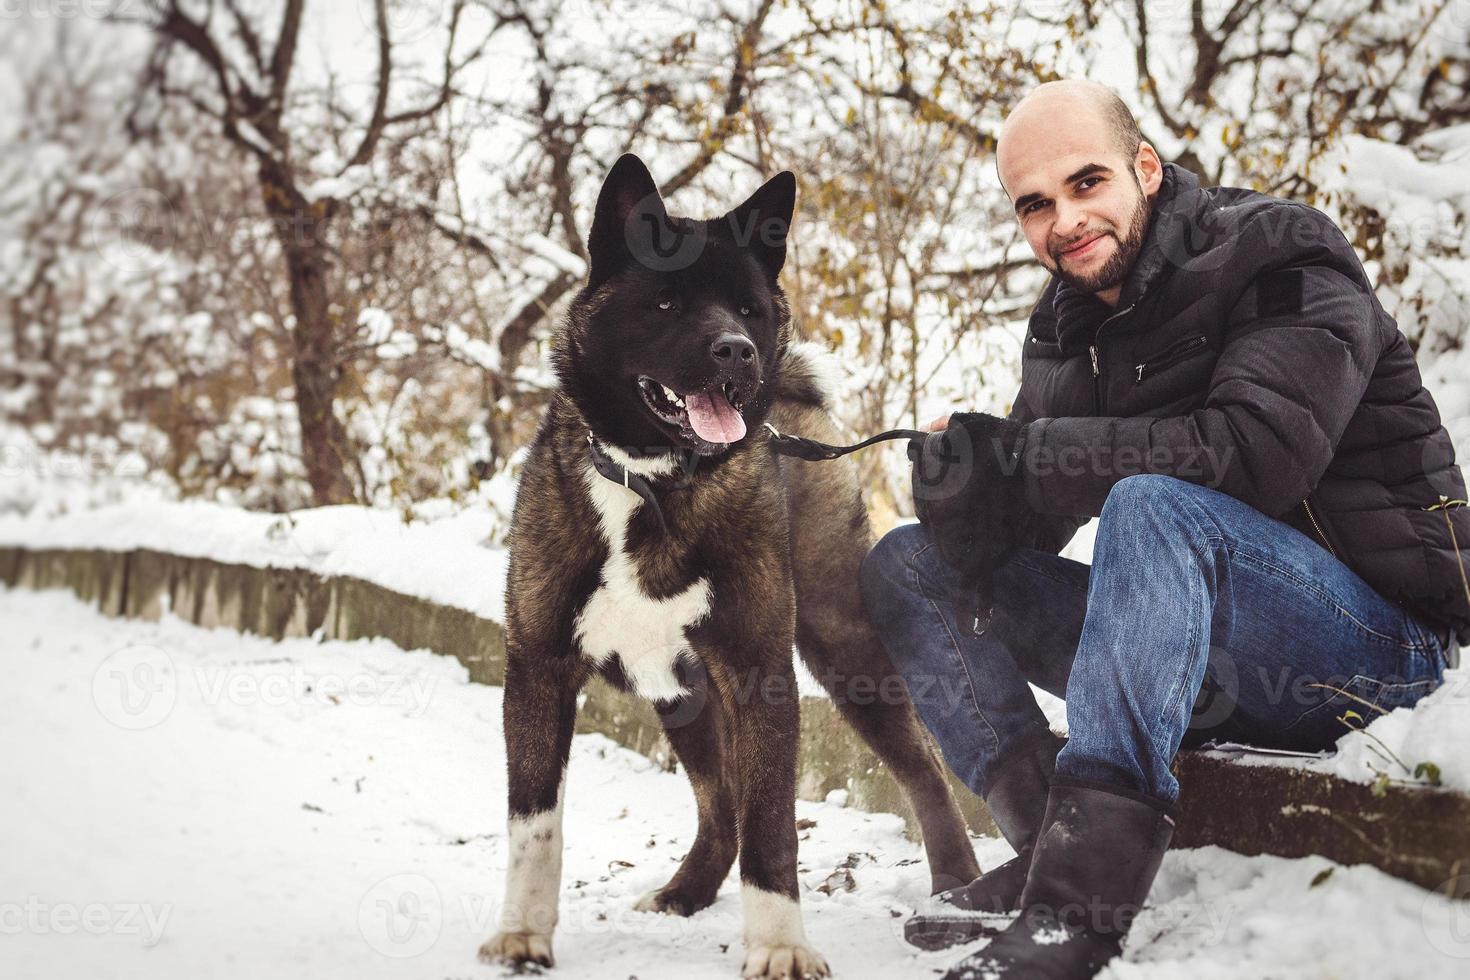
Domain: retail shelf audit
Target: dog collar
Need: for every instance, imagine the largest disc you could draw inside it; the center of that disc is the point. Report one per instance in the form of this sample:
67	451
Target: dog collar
612	470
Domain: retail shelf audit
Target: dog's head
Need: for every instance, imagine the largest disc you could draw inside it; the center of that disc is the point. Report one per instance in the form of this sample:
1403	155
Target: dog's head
674	340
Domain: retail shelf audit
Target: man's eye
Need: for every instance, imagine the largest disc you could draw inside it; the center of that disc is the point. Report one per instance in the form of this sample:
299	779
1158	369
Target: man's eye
1086	182
1031	208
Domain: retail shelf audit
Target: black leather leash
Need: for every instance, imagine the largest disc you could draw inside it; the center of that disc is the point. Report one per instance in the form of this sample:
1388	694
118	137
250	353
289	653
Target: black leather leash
807	449
813	451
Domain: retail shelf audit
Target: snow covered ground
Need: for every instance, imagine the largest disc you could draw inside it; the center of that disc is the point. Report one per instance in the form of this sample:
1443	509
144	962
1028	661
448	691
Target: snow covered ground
189	803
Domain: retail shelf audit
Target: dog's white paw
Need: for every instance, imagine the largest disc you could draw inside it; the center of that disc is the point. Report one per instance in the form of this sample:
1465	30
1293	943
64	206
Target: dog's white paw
518	949
669	902
784	963
651	902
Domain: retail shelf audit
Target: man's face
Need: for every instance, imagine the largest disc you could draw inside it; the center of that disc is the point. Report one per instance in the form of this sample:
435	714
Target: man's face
1078	199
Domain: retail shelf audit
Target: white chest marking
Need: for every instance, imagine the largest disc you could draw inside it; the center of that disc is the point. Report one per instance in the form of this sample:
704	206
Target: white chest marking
619	618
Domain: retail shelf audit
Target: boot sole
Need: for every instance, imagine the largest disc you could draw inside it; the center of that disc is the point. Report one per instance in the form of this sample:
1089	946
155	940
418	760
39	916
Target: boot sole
930	932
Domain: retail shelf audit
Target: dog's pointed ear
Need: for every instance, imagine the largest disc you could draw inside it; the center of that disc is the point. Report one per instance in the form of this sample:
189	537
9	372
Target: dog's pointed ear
764	221
628	201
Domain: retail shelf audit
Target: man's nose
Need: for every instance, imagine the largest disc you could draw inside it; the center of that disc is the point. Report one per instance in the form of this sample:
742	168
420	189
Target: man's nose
1070	219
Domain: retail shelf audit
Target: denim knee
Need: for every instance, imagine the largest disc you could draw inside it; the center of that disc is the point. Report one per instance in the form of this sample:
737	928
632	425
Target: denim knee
1150	499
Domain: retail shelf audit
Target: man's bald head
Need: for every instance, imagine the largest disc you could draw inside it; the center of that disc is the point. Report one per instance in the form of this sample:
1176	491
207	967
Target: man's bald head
1081	179
1072	99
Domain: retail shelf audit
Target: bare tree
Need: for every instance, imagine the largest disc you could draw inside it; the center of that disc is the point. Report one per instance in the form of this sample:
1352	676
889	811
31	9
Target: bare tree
247	88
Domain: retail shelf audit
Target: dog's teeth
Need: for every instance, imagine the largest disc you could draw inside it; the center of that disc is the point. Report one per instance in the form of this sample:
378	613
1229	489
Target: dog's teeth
672	395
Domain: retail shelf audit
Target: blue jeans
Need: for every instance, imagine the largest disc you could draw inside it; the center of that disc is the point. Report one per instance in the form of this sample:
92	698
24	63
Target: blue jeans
1200	618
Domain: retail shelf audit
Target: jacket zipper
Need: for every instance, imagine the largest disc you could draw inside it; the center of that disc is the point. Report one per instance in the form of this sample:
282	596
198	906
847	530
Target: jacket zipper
1168	356
1092	351
1096	382
1313	518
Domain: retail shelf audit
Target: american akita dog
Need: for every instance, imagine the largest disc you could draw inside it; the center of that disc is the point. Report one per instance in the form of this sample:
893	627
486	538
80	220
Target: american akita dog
659	541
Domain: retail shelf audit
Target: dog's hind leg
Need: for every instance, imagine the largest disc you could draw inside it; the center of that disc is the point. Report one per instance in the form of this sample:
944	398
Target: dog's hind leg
870	695
698	730
540	709
830	537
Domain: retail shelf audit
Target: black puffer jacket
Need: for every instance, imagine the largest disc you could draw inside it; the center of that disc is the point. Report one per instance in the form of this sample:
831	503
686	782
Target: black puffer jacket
1248	353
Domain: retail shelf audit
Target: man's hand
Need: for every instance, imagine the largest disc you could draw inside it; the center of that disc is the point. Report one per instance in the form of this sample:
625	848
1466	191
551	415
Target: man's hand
938	425
970	492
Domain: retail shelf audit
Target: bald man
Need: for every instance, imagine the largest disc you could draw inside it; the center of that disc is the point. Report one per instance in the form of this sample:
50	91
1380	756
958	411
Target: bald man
1209	374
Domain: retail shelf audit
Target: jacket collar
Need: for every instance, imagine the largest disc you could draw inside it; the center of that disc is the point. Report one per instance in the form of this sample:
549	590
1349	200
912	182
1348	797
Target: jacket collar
1079	314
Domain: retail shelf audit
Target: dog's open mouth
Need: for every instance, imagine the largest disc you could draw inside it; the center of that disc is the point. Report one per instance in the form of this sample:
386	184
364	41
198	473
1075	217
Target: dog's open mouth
713	414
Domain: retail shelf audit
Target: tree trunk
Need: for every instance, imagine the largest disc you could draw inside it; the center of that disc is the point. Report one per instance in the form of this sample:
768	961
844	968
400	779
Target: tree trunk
314	368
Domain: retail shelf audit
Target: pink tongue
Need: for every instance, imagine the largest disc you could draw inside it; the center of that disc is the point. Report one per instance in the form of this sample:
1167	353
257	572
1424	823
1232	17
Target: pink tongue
714	419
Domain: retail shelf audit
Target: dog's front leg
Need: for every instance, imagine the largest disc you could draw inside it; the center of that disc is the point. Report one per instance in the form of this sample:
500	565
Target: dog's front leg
540	709
767	730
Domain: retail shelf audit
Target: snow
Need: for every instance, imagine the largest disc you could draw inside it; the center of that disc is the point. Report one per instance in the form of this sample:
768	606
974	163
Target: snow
558	255
1392	174
340	187
1394	745
477	352
252	136
202	803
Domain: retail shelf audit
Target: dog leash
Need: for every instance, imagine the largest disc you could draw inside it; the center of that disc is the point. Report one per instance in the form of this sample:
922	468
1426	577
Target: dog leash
801	448
813	451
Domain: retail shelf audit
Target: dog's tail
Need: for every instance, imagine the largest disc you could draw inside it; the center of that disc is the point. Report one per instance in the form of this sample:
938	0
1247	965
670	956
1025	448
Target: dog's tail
808	374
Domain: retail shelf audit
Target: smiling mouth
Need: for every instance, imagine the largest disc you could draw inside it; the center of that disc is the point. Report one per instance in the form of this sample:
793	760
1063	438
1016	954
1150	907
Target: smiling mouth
1081	247
710	417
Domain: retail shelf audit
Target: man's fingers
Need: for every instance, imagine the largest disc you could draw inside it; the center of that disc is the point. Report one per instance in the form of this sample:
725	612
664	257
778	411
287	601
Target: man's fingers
938	424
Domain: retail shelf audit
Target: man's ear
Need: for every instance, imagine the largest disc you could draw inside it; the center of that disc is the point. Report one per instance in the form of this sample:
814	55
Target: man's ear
764	220
628	209
1149	169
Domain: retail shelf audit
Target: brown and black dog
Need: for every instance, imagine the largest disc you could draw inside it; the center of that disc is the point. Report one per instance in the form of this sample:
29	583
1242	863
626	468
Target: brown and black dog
659	541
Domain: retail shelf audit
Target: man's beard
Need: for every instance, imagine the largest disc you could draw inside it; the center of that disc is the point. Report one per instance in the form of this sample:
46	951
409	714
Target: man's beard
1116	268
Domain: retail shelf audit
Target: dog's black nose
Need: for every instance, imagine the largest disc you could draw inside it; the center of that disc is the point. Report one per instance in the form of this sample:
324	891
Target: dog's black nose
731	349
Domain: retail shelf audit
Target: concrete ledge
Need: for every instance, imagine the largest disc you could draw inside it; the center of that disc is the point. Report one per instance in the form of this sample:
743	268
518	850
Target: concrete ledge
1420	835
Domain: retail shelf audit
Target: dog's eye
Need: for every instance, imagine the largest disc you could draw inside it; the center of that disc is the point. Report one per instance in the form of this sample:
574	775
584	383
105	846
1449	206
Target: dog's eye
745	311
666	304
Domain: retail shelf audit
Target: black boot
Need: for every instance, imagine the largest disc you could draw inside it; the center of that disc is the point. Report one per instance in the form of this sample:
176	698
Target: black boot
1097	856
1017	801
